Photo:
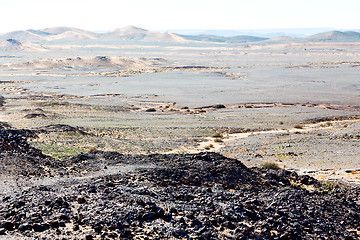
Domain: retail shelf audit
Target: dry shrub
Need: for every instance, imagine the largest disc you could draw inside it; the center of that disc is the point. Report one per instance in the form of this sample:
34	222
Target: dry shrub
270	165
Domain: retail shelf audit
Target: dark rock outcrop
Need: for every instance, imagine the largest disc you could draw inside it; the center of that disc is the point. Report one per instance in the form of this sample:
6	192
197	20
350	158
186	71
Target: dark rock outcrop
200	196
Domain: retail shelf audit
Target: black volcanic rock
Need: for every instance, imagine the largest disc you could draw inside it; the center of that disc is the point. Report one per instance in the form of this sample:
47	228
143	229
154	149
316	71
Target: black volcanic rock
203	196
60	128
35	115
18	158
2	101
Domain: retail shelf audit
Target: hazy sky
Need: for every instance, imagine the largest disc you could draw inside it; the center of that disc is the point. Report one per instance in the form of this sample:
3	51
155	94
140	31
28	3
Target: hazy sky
179	14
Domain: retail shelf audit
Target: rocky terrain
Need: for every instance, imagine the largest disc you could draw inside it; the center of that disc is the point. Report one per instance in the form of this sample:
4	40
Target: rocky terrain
134	134
2	101
108	195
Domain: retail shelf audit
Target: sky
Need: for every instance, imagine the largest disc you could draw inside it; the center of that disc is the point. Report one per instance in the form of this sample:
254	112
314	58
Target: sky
106	15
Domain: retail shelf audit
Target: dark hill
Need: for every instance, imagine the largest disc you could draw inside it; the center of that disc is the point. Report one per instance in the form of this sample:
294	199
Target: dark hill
335	36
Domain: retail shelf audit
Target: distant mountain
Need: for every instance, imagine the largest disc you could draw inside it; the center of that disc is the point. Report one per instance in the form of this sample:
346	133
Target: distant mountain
68	34
132	33
265	33
281	40
60	30
39	32
71	36
15	45
335	36
57	34
136	34
220	39
27	35
126	33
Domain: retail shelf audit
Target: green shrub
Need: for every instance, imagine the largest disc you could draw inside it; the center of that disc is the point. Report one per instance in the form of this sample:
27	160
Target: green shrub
330	186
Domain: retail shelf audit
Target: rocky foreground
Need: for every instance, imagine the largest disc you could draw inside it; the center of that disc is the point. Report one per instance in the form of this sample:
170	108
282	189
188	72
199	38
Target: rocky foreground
107	195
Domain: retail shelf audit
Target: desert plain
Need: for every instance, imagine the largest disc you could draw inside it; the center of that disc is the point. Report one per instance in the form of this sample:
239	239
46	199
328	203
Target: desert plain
89	119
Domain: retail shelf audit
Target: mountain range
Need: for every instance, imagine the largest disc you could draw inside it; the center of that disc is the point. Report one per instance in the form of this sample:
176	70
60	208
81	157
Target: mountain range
67	35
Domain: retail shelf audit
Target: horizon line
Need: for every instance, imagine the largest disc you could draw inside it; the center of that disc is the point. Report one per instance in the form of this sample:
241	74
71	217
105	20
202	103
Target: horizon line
264	30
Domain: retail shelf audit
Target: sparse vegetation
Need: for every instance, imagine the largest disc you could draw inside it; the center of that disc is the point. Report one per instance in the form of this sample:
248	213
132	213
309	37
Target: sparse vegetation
330	186
217	135
59	152
298	126
93	149
270	165
218	106
218	140
208	147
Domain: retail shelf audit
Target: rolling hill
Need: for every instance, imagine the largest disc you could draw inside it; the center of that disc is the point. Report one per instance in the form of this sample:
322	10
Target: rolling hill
68	34
26	36
221	39
15	45
136	34
335	36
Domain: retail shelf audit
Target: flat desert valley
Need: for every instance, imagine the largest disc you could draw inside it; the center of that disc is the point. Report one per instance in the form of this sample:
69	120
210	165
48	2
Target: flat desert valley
135	134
